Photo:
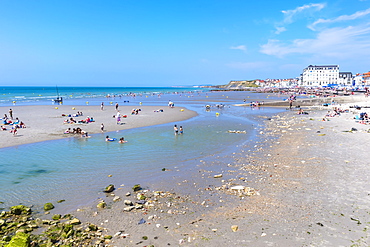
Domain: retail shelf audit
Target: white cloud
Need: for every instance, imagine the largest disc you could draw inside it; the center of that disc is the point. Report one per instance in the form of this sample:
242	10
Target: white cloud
280	30
336	42
289	15
239	47
354	16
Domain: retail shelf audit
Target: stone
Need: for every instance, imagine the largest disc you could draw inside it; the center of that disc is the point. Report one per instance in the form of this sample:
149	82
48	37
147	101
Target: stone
101	204
234	228
218	176
75	221
128	208
109	188
116	198
20	239
48	206
136	187
128	202
20	209
56	217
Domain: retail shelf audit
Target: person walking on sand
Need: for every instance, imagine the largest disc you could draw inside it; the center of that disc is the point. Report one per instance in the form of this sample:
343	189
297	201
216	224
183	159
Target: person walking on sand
15	131
116	106
175	129
102	127
11	113
102	106
118	117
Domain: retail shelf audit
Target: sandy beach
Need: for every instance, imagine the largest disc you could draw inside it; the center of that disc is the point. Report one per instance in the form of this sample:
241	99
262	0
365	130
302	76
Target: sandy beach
47	122
309	184
303	183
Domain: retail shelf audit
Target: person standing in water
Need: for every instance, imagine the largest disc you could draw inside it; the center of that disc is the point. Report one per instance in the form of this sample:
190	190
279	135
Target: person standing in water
175	129
181	130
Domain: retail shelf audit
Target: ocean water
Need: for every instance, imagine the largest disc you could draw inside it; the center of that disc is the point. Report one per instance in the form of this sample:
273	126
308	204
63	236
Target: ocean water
76	169
45	95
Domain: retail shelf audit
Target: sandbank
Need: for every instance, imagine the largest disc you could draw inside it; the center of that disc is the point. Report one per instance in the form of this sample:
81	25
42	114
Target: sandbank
45	123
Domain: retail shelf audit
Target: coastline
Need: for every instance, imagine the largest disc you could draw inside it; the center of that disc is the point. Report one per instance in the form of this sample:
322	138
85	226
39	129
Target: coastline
306	192
44	123
300	168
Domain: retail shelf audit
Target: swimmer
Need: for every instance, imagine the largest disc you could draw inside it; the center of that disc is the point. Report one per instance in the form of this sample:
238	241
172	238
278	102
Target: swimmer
122	140
107	139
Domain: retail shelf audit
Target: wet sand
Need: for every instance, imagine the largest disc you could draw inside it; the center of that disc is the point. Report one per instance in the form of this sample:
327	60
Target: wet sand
47	123
309	180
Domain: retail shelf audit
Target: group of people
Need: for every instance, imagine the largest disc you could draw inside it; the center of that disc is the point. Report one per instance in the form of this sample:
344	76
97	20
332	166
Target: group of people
121	140
135	111
77	130
178	130
78	114
15	124
71	120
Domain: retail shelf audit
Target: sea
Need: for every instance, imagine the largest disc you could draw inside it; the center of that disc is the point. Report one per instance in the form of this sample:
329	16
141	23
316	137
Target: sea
76	170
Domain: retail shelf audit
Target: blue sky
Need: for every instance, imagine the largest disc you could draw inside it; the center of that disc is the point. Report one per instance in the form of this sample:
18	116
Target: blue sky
166	43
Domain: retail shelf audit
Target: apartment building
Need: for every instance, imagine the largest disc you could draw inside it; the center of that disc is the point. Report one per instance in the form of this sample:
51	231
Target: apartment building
322	75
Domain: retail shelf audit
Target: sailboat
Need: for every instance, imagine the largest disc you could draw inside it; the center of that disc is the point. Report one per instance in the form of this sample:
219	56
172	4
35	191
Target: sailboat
58	100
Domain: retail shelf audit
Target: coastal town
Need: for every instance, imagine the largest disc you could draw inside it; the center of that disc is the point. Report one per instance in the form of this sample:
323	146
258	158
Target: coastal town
312	76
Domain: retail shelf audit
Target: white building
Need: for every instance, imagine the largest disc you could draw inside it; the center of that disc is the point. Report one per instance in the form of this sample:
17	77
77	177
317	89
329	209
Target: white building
345	78
316	76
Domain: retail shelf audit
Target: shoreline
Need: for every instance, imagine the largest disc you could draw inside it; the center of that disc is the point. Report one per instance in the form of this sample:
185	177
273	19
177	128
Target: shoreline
298	187
45	123
309	191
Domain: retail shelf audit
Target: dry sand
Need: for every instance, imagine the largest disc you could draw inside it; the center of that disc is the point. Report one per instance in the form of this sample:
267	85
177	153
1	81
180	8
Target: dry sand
311	178
47	123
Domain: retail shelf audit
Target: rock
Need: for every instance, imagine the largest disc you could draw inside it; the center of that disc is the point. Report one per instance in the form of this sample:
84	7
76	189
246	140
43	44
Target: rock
20	209
56	217
20	239
141	202
48	206
75	221
128	194
109	188
238	188
234	228
93	227
128	208
218	176
141	197
101	204
136	187
128	202
116	198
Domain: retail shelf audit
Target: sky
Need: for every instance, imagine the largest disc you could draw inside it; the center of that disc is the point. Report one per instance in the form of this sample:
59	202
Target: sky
139	43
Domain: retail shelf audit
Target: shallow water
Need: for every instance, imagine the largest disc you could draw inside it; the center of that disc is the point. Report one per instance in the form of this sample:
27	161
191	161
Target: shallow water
76	169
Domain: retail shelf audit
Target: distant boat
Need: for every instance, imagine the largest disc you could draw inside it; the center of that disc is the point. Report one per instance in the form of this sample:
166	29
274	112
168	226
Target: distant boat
58	100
